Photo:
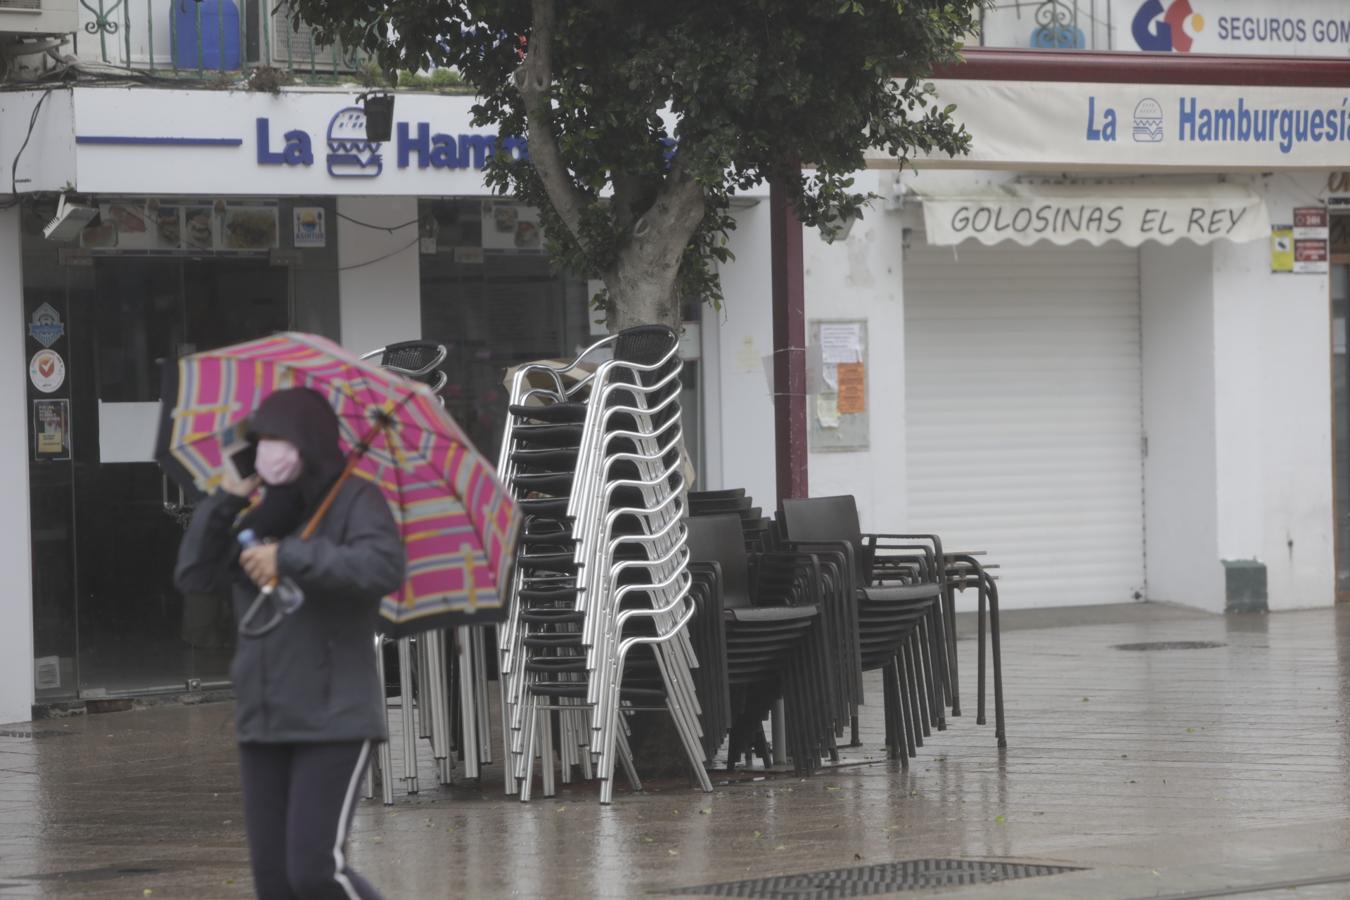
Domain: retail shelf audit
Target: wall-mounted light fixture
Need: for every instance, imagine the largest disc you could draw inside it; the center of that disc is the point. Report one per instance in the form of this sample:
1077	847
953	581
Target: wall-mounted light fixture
71	218
379	109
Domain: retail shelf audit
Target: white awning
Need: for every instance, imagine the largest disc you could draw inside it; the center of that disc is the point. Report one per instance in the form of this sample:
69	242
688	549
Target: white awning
1129	214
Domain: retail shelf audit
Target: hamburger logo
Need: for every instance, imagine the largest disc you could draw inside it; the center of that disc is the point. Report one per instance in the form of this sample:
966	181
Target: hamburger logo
350	155
1148	121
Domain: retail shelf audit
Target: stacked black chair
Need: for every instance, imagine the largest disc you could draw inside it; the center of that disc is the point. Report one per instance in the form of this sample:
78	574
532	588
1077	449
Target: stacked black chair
778	642
900	623
965	571
602	593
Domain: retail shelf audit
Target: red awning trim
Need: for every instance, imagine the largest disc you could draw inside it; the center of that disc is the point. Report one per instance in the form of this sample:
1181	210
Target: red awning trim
992	64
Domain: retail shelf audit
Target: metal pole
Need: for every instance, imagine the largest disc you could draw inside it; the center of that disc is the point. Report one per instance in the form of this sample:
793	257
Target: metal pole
789	344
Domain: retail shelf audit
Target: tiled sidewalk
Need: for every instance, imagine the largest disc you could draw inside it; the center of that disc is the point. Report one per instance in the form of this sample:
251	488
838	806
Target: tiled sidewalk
1159	772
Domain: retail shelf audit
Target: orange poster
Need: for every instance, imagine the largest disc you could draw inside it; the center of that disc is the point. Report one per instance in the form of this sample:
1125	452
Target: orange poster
852	390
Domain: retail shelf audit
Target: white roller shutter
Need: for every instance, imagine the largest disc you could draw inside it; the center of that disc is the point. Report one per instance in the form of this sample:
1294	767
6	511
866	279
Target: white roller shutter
1024	423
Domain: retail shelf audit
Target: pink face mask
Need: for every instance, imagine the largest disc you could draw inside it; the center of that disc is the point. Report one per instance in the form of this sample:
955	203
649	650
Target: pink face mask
278	461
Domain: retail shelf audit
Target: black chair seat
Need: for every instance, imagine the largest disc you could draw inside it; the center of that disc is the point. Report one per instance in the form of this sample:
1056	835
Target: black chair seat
770	613
551	437
557	483
553	413
557	459
552	507
885	593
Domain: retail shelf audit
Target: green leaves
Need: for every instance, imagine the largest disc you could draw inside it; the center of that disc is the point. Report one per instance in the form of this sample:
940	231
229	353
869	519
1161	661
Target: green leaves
725	92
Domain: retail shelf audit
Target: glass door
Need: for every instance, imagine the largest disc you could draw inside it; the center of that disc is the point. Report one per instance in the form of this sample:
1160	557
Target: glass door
136	634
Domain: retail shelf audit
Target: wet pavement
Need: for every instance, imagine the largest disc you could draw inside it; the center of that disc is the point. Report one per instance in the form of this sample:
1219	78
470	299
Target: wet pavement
1180	773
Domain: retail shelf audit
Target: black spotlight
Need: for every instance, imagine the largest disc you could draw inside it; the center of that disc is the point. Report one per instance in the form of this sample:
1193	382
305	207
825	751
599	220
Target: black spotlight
379	109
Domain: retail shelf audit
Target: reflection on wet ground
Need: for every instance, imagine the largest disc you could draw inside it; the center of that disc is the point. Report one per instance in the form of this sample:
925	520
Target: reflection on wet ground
1161	772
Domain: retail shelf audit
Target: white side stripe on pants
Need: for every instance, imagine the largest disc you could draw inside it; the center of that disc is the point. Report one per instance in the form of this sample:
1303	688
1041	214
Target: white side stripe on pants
345	823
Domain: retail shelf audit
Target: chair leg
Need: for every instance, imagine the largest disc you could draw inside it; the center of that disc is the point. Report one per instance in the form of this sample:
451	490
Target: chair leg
626	759
979	682
932	672
999	734
916	689
953	669
904	719
890	710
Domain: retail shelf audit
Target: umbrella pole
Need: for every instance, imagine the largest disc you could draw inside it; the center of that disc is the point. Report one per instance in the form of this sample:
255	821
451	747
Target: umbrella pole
352	462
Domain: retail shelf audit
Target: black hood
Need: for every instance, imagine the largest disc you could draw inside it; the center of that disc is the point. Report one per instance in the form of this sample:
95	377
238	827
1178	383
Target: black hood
304	418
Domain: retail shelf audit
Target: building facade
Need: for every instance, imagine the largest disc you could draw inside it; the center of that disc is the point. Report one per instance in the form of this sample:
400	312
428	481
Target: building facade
1103	348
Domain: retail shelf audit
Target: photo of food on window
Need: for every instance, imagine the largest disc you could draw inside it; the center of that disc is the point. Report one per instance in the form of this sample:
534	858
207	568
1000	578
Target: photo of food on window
198	232
168	225
250	228
101	234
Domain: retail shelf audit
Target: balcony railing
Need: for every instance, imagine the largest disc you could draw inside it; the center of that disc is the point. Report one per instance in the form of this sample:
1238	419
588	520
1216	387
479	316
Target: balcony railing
1050	25
199	38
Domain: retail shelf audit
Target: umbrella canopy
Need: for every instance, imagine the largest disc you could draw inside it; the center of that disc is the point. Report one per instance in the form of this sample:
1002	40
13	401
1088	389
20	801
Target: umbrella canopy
458	523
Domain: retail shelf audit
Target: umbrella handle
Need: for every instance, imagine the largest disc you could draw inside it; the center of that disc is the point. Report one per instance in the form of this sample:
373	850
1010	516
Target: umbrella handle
347	470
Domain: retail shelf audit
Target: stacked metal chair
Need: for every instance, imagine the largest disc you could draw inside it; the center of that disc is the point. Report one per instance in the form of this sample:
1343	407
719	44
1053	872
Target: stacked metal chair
601	593
423	671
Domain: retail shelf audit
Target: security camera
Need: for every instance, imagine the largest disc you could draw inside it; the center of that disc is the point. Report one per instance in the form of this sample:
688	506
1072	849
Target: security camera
70	220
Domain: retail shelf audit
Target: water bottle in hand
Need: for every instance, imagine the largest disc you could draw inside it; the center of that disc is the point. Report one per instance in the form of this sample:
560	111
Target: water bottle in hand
288	595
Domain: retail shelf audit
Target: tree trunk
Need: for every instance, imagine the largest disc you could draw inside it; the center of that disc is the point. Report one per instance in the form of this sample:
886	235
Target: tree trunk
642	284
640	296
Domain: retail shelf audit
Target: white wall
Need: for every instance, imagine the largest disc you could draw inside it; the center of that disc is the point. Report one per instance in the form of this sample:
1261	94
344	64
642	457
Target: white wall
378	278
859	278
16	576
1273	411
1180	477
743	407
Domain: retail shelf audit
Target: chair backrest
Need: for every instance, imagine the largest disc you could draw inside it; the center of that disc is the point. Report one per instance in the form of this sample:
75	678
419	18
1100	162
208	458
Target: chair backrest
718	539
417	359
827	519
713	496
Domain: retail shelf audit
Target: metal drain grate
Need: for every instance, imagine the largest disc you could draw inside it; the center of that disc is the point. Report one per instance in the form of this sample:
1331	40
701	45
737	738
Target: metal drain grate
884	878
1172	645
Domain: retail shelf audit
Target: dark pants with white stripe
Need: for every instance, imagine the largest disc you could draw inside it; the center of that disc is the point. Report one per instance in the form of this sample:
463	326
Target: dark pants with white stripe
298	805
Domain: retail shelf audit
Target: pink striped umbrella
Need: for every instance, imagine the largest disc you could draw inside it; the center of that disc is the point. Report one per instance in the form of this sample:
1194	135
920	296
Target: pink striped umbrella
458	524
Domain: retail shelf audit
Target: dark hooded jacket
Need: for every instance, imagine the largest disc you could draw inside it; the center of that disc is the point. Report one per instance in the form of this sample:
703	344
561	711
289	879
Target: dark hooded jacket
313	678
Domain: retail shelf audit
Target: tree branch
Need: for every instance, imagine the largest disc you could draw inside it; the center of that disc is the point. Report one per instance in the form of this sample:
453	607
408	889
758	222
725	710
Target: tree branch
534	79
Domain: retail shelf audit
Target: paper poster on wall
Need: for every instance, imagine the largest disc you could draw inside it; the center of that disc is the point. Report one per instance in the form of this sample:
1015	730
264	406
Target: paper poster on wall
47	371
852	390
837	414
51	429
511	226
1310	256
310	227
1281	248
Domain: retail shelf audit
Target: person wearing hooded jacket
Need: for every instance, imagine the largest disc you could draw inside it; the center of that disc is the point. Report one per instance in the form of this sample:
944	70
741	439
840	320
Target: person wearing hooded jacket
308	702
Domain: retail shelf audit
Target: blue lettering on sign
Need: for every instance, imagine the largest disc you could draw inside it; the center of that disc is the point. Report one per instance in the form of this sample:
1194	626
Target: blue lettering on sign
1106	129
444	151
297	150
351	156
1286	127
